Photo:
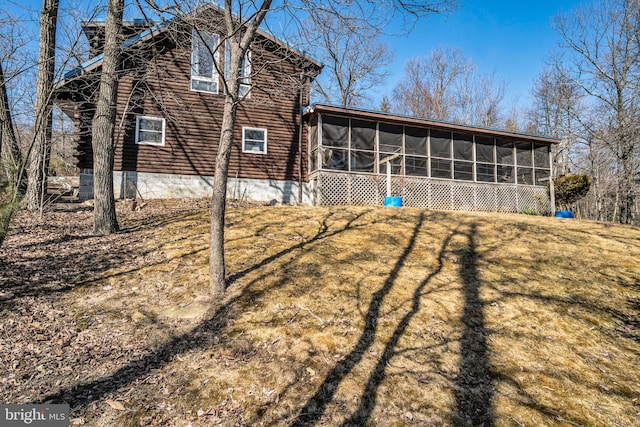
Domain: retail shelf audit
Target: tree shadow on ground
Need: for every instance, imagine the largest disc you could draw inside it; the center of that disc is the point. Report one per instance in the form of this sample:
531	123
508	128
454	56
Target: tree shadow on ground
204	335
473	385
316	405
474	389
369	395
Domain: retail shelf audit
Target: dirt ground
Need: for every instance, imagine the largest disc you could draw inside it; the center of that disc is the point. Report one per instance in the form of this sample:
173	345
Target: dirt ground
335	316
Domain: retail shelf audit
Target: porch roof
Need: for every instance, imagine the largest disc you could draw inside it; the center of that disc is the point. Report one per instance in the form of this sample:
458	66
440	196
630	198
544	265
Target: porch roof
423	122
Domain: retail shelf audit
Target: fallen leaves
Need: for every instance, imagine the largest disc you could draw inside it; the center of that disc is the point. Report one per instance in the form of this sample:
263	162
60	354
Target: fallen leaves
115	405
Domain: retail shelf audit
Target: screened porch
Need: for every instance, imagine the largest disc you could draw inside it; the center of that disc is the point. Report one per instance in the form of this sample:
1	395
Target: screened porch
432	165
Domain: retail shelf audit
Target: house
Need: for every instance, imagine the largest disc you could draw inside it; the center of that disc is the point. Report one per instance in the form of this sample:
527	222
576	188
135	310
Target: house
169	110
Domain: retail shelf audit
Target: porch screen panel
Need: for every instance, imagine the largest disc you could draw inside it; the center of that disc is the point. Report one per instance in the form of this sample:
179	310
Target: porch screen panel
440	143
505	172
504	152
486	172
463	171
440	168
415	166
363	135
335	159
313	144
335	131
462	147
541	163
362	161
484	150
390	138
542	174
524	154
525	176
415	141
541	156
396	166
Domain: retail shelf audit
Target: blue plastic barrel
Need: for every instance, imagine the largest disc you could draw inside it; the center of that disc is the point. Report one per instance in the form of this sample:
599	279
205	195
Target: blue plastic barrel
393	201
564	214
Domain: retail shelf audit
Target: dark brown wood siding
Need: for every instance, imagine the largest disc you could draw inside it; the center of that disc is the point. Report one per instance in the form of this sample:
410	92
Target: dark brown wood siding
160	87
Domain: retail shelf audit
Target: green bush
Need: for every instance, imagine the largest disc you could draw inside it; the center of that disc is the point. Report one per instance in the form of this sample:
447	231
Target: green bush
529	211
571	188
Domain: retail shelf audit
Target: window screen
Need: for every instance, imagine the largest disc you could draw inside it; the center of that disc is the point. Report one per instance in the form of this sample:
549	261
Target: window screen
396	166
485	172
484	150
462	147
440	143
204	75
524	153
525	176
463	170
150	130
415	141
505	174
415	166
390	138
504	152
541	156
363	135
542	174
363	161
440	168
254	140
334	158
335	131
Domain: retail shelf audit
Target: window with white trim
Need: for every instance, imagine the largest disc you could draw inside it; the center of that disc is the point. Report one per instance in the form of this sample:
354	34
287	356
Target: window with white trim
150	130
204	57
254	140
244	73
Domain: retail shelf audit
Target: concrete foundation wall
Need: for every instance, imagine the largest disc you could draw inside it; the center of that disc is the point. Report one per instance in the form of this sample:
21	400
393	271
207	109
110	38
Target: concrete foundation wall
135	185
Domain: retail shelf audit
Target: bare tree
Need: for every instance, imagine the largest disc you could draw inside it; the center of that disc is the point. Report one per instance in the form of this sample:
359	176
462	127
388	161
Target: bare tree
11	40
11	154
601	55
555	111
446	86
104	212
39	154
354	57
241	20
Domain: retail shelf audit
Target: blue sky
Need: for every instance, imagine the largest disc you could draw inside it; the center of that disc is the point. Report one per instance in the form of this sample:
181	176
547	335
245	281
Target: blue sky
511	37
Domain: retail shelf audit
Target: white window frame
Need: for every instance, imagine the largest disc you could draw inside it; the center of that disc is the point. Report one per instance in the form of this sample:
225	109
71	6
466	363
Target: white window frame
244	140
196	40
139	118
245	71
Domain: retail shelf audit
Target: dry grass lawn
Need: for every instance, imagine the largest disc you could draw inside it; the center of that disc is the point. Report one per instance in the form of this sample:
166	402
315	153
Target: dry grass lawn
335	316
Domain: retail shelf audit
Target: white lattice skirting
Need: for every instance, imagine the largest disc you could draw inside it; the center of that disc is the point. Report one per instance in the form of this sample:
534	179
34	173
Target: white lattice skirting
331	188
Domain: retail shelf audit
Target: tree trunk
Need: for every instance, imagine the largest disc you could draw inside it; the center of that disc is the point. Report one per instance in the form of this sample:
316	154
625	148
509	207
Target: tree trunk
41	150
218	202
11	154
104	211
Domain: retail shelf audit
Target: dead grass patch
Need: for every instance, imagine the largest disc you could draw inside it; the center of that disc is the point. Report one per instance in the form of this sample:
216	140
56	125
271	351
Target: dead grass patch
345	315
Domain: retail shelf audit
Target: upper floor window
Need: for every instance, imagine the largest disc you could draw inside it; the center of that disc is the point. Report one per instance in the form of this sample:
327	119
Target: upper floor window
149	130
244	73
204	57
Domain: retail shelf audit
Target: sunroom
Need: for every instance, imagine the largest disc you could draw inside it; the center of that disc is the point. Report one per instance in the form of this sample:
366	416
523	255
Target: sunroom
432	164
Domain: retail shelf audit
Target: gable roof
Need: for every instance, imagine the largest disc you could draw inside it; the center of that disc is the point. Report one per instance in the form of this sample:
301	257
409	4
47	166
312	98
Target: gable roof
162	27
423	122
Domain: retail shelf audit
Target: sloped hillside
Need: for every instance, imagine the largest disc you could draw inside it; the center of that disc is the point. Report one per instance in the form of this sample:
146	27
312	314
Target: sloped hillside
335	316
